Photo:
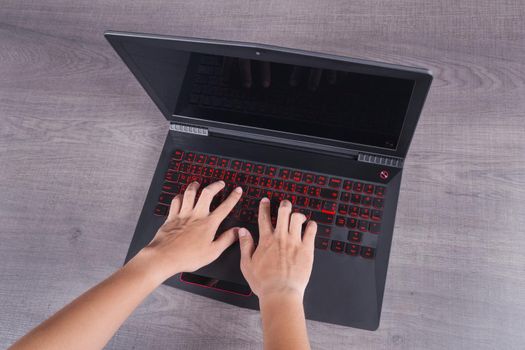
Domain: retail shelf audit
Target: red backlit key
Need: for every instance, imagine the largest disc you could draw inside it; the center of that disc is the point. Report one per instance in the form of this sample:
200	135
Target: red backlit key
247	167
378	203
201	158
302	201
347	185
184	167
314	191
343	209
278	184
172	176
367	252
345	197
321	180
364	213
165	198
354	236
284	174
329	207
334	182
322	218
366	201
323	230
271	170
362	225
352	249
170	187
321	243
259	169
174	165
358	187
212	160
208	172
369	189
376	215
337	246
289	186
291	197
380	191
308	178
315	203
161	210
254	192
177	155
356	198
327	193
301	188
351	222
241	178
253	180
190	157
354	211
265	182
230	176
236	165
340	221
297	175
223	162
218	173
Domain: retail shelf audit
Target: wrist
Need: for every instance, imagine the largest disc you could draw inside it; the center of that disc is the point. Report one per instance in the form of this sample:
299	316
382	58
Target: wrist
281	297
152	265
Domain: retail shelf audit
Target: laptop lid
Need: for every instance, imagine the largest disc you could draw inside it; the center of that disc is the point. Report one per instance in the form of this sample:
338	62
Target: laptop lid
316	99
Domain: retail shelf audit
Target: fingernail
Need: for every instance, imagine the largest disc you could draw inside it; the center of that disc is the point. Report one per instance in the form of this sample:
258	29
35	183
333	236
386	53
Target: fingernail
265	200
222	182
238	189
243	232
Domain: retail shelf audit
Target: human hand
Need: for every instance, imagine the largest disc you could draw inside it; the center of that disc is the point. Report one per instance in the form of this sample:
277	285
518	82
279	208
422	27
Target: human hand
282	262
186	242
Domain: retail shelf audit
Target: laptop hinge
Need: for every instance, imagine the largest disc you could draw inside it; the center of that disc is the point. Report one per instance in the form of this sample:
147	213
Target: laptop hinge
380	160
189	129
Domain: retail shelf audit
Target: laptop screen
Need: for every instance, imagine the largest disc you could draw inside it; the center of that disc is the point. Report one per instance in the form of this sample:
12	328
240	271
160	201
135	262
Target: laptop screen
320	102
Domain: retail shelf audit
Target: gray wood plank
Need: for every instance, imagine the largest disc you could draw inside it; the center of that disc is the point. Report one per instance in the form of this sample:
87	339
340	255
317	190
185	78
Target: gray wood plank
79	140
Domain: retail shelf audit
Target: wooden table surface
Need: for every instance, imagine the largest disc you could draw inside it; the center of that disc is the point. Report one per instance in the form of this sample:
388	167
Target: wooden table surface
79	141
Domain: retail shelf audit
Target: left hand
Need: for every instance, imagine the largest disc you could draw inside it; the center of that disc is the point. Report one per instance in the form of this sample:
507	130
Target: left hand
186	241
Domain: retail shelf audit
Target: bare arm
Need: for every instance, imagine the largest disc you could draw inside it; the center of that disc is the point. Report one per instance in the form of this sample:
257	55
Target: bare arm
278	272
92	319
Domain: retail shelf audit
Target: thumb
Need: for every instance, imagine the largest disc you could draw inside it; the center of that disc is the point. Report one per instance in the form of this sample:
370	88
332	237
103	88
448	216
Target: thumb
246	244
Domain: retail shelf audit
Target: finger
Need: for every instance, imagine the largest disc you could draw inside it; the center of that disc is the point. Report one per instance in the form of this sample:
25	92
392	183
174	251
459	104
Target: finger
203	204
265	221
189	198
309	233
266	75
296	224
245	67
225	239
246	245
226	207
175	206
283	217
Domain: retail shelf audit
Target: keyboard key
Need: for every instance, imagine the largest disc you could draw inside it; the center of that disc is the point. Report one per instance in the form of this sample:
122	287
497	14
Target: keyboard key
366	201
323	230
165	198
289	186
172	176
358	187
321	243
246	215
259	169
241	178
351	222
340	220
223	162
314	191
190	157
161	210
271	171
308	178
347	185
345	196
315	203
212	160
362	225
201	158
207	171
184	167
354	236
297	176
356	199
254	192
278	184
265	182
170	187
178	154
218	174
378	203
322	218
354	211
334	182
380	191
369	189
367	252
327	193
284	174
352	249
337	246
302	201
174	165
329	207
321	180
301	188
247	167
230	176
236	165
195	169
376	215
364	213
343	209
375	227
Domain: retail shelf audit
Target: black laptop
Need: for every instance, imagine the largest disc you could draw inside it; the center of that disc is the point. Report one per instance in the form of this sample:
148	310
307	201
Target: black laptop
328	133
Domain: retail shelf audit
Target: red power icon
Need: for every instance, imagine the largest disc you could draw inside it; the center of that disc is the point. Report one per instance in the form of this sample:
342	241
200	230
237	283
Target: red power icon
384	174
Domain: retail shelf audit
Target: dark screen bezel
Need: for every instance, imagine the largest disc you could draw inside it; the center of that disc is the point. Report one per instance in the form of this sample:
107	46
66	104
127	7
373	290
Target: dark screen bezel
422	79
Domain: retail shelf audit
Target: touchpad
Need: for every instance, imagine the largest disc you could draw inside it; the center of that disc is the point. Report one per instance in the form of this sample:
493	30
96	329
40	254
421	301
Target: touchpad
213	283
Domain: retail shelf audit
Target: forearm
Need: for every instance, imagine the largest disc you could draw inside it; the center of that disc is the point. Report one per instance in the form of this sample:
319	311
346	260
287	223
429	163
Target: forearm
284	325
91	320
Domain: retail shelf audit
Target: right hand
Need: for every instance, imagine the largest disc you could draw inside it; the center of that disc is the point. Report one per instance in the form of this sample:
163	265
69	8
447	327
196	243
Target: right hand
282	262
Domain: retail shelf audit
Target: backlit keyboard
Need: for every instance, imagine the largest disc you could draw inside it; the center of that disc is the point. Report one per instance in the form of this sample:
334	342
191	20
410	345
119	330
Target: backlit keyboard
333	202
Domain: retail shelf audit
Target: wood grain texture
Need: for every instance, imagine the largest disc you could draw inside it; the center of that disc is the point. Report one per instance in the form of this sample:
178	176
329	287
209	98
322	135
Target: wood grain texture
79	141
